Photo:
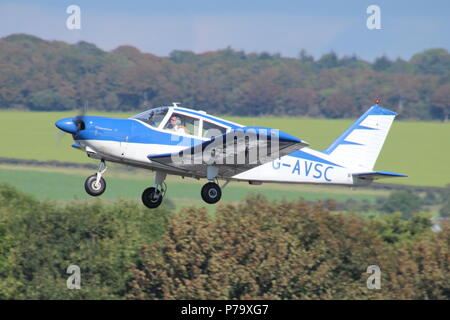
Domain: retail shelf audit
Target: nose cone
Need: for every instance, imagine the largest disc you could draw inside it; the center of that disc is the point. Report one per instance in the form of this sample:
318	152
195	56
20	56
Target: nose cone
67	125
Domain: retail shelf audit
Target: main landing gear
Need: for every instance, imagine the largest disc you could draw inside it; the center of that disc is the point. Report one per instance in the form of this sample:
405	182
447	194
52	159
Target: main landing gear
95	185
153	196
211	192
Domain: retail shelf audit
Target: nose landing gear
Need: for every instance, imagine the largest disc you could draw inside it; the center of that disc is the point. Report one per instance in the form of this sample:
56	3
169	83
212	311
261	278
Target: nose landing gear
95	185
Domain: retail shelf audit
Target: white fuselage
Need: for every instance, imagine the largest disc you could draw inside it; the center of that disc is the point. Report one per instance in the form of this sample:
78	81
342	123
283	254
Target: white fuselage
286	169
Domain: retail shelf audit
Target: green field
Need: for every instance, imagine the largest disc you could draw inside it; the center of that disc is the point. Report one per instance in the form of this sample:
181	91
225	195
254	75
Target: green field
67	184
418	149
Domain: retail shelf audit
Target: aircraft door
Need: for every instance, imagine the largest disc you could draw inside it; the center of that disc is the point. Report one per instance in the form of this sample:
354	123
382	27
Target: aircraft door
126	147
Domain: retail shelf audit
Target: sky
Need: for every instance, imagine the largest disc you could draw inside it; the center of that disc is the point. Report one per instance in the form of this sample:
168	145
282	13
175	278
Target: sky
283	26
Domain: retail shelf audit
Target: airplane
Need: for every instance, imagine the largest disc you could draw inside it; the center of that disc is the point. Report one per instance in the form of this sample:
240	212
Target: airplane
173	140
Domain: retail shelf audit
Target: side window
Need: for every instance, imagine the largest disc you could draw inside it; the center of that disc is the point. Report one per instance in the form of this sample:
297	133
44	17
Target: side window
182	124
212	130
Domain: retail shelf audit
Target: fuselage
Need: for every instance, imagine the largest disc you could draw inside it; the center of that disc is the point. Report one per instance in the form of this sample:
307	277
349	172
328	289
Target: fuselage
131	141
189	143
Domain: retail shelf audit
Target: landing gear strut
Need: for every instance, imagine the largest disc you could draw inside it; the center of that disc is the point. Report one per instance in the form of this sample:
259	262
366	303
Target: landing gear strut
95	185
153	196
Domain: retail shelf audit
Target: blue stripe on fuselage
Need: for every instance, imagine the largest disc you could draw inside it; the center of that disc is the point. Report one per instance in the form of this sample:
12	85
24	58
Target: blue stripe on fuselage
132	131
345	142
227	123
129	130
307	156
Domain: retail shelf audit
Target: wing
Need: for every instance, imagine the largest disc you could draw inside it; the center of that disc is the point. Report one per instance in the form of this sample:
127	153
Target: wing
234	152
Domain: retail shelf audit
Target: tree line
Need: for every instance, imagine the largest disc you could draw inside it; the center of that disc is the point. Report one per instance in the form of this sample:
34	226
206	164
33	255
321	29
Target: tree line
53	75
255	249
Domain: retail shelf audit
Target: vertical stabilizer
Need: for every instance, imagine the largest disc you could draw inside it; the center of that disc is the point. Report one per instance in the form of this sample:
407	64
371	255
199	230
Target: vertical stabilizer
359	146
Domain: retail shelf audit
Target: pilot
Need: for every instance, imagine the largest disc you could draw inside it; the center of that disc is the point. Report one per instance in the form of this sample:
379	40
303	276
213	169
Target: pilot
175	125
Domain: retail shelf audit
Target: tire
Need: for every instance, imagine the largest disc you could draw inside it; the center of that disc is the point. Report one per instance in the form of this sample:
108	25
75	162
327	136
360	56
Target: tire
148	198
91	188
211	193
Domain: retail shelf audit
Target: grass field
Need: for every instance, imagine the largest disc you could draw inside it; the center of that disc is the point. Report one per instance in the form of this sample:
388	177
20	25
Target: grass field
418	149
67	184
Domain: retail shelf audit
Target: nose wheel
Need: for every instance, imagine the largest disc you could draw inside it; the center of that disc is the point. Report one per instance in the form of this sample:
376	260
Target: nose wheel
211	193
95	185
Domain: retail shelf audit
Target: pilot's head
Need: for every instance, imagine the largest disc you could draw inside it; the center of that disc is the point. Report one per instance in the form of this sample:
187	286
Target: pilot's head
174	121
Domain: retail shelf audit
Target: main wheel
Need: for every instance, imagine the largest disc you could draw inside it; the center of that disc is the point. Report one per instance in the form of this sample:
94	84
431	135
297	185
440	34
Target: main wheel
211	193
92	187
151	198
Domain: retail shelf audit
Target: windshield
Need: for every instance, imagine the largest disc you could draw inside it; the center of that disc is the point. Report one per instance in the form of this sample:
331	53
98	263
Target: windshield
153	116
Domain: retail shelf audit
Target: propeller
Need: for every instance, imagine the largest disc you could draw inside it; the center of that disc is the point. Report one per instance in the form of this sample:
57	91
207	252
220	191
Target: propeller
79	119
71	125
59	136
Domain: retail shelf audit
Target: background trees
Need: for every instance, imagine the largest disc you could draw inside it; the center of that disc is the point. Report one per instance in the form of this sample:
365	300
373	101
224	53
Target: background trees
39	240
253	249
441	101
402	201
52	75
445	209
291	250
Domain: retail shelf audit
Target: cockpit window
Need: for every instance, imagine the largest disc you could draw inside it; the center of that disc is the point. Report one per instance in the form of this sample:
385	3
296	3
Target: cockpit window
153	117
183	124
212	130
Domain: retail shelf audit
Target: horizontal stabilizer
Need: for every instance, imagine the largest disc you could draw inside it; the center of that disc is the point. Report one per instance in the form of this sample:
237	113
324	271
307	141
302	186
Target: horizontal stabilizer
374	175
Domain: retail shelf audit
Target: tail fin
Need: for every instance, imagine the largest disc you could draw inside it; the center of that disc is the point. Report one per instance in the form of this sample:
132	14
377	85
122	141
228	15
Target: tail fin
359	146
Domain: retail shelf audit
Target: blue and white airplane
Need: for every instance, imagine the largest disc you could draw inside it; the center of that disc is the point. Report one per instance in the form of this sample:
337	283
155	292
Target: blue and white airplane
174	140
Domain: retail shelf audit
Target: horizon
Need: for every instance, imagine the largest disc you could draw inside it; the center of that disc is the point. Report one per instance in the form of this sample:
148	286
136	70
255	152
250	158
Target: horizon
248	53
407	27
